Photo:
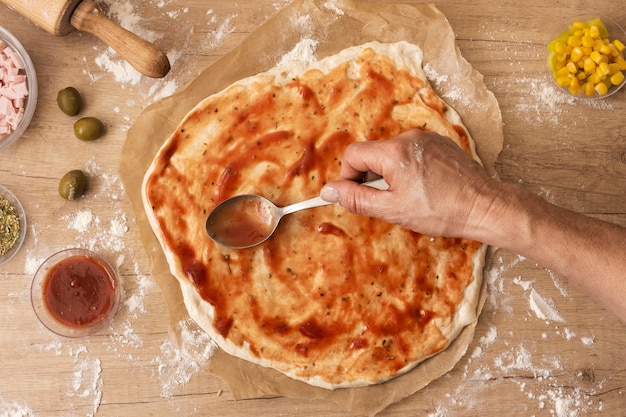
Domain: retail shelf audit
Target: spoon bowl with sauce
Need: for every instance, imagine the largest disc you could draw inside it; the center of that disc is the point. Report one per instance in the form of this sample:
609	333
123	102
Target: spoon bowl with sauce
247	220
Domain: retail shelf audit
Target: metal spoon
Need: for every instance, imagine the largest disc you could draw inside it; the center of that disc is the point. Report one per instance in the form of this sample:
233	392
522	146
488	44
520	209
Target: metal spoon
247	220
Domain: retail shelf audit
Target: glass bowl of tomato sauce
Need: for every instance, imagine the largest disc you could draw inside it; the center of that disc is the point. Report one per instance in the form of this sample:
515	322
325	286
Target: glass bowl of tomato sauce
75	293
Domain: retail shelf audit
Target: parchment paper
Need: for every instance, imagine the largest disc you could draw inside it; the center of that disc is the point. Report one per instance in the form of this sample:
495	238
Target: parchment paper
335	26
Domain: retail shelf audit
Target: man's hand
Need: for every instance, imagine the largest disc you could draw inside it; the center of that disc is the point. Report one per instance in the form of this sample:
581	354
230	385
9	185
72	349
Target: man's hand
435	188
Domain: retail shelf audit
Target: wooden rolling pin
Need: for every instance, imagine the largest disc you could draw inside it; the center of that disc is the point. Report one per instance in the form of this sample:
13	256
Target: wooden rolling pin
60	17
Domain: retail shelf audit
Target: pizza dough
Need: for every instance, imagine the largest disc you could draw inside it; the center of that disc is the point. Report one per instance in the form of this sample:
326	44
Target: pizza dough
332	299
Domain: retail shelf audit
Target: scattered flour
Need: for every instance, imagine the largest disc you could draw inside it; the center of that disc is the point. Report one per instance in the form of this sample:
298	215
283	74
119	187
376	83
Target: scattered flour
498	298
304	51
125	14
439	412
122	71
14	409
515	361
134	302
448	86
588	341
545	103
543	307
177	365
332	6
305	29
109	61
86	381
225	28
489	338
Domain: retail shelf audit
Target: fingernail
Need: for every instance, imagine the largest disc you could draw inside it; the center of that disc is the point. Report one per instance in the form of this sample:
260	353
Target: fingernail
329	194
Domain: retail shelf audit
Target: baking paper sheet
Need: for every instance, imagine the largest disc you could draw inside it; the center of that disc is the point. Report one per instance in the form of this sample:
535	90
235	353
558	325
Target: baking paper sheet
329	27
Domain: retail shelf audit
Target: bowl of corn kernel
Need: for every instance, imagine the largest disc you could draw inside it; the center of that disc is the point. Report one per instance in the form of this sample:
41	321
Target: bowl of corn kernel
586	56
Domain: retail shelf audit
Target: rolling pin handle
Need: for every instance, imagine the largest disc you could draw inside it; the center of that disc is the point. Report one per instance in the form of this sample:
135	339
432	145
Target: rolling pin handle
144	56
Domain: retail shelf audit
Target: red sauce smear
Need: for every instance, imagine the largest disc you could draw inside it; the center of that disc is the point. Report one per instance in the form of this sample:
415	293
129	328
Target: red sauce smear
78	291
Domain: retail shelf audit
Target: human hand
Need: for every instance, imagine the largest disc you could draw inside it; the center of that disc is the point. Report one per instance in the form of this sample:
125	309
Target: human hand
435	188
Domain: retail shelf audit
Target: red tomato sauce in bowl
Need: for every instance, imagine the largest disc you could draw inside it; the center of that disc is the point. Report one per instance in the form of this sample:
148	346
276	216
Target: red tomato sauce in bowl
75	293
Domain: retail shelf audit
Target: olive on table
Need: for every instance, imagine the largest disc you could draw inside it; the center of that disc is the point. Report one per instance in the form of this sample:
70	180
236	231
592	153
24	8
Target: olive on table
69	101
88	128
72	185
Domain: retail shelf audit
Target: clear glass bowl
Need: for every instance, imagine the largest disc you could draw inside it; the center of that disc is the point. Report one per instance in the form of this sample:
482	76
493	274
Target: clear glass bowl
82	291
31	80
615	31
19	211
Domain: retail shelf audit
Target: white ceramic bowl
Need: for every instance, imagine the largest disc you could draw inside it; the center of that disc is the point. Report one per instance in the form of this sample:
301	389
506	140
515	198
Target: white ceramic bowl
615	31
31	80
21	214
75	293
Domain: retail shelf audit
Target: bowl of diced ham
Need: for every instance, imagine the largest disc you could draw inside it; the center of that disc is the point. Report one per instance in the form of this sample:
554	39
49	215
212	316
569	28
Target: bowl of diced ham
18	89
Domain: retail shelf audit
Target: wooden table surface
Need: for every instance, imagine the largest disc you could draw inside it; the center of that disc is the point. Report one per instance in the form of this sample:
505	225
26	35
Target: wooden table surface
573	153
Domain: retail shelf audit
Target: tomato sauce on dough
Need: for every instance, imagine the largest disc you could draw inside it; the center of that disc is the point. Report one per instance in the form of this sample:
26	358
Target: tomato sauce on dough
78	291
329	284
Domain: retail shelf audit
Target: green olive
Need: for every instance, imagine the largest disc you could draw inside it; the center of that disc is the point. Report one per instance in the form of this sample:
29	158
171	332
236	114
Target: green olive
72	185
88	128
69	101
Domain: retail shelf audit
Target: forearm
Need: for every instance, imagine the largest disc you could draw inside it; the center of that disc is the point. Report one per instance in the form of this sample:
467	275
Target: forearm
590	253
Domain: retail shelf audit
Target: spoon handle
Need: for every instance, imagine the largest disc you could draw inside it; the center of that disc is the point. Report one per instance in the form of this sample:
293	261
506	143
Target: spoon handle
379	184
306	204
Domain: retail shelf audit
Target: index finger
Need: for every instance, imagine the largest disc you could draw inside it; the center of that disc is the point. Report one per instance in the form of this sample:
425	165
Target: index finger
379	158
364	160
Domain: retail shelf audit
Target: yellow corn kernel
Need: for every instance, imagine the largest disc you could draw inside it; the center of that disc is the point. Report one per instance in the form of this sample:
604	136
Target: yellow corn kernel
563	72
563	81
559	48
603	69
581	75
594	32
573	41
594	78
619	45
587	41
572	67
597	44
621	62
574	86
589	66
577	54
617	78
605	50
613	68
589	89
596	56
601	89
